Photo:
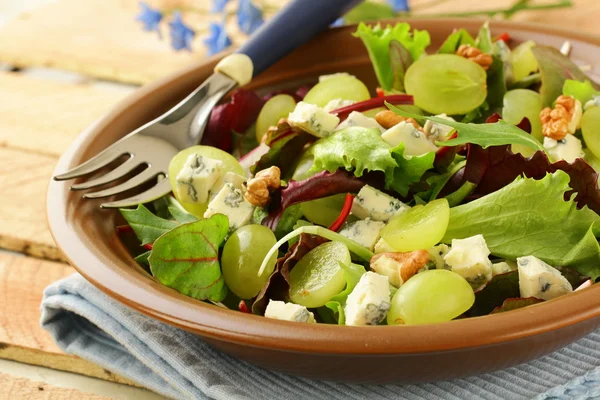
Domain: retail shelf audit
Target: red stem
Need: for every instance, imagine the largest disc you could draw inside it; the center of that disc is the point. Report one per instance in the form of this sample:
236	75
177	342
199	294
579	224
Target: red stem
505	37
243	307
124	229
339	221
148	246
375	102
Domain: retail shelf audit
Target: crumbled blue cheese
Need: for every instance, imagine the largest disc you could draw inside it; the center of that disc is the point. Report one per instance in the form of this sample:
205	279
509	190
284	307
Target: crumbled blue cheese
568	149
337	103
336	75
236	180
540	280
415	142
369	301
376	205
436	256
438	132
313	120
196	178
231	202
364	232
469	258
503	267
288	312
575	121
359	119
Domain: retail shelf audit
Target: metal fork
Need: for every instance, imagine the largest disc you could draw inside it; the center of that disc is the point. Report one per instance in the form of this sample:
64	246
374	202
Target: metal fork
155	143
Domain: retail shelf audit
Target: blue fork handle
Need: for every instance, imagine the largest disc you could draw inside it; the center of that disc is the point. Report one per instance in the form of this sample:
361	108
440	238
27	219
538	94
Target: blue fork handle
293	26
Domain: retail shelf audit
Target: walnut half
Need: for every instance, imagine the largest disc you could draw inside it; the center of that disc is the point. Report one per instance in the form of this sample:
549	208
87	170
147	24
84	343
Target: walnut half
259	188
475	55
563	119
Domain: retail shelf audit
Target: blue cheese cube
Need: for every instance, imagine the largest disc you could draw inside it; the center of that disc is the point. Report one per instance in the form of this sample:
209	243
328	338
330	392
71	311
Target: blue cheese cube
288	312
236	180
568	149
415	142
438	132
196	178
376	205
231	202
359	119
337	103
469	258
436	256
540	280
365	232
369	301
313	120
503	267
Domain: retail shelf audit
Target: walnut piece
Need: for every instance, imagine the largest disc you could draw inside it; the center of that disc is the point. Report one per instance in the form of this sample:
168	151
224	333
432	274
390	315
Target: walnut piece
259	188
388	119
399	267
475	55
563	119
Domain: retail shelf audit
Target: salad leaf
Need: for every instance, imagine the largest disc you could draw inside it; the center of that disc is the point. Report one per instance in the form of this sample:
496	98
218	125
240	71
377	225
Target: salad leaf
235	116
187	258
456	38
147	226
278	286
142	259
515	303
573	276
410	169
477	114
353	273
582	91
177	211
317	186
377	41
354	148
288	220
400	60
484	39
369	11
530	217
485	135
555	69
493	294
496	84
244	142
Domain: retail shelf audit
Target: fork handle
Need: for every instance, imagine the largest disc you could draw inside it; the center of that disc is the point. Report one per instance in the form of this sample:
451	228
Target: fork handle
293	26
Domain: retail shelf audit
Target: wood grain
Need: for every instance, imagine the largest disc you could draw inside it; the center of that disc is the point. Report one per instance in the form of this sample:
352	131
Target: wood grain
22	282
44	117
15	388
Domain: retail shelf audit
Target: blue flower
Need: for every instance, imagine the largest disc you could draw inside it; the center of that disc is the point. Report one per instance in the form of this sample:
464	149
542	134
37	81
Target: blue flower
181	34
219	6
249	17
149	17
218	40
399	5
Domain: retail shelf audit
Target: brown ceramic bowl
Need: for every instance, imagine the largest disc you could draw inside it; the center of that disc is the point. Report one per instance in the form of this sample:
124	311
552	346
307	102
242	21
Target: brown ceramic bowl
396	354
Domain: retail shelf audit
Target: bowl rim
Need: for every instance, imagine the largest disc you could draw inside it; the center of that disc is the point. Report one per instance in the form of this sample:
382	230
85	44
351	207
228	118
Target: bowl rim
217	323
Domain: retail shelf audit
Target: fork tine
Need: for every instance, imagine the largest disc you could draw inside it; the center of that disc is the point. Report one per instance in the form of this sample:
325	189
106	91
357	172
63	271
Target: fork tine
110	176
135	181
95	163
159	190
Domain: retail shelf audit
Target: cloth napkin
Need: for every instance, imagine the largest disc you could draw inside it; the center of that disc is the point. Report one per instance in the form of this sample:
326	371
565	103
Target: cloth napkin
177	364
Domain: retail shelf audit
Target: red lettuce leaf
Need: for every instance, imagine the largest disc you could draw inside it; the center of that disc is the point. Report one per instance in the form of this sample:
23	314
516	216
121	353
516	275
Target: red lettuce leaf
575	278
494	293
515	303
235	116
375	102
445	155
278	285
317	186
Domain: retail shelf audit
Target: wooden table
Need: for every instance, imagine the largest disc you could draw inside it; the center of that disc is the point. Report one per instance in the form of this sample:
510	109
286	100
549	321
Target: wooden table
42	110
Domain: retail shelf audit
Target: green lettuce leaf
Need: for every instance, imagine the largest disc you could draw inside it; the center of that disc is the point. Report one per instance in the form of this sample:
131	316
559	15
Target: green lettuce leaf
353	273
377	41
484	38
354	148
530	217
453	42
187	258
582	91
410	169
484	135
147	226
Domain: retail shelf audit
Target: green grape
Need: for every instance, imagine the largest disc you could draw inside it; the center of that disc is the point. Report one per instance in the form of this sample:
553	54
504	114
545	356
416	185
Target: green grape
345	87
242	256
523	61
421	227
590	129
519	104
446	83
592	160
430	297
230	164
275	108
317	277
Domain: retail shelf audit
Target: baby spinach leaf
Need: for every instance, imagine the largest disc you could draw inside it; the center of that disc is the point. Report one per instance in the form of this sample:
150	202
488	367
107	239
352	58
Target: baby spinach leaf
453	42
410	169
147	226
493	294
187	258
353	273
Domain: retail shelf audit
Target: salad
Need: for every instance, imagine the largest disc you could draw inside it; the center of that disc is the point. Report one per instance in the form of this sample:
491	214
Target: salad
464	184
